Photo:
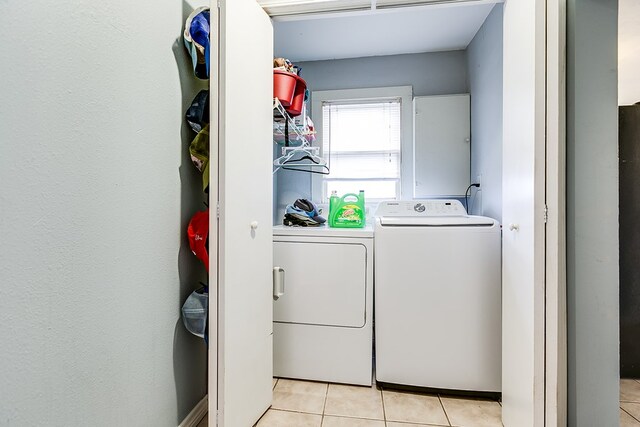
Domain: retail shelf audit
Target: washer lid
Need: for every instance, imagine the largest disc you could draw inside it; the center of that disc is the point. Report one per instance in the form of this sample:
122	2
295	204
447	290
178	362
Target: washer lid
437	221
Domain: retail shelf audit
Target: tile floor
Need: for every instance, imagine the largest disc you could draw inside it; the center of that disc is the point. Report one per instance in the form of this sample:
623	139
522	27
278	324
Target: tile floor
629	403
314	404
301	404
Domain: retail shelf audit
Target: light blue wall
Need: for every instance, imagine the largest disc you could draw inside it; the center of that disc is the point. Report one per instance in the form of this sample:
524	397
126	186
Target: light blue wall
436	73
592	213
484	60
97	189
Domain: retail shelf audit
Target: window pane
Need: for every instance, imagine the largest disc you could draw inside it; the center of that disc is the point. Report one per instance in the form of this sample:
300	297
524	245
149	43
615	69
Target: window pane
362	127
372	189
365	165
363	141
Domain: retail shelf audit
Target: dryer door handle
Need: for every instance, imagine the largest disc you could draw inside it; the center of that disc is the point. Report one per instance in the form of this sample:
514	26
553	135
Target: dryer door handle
278	282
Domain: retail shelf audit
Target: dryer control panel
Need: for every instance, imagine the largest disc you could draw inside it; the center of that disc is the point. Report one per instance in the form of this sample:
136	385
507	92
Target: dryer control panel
421	208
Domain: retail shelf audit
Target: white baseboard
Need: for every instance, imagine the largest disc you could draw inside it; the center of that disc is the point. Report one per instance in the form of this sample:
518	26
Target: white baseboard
197	413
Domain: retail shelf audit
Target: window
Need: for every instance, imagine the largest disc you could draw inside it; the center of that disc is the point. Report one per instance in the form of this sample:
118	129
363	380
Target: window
363	139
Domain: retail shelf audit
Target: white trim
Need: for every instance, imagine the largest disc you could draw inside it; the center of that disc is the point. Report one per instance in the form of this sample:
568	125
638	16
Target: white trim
214	190
197	414
405	93
295	10
556	287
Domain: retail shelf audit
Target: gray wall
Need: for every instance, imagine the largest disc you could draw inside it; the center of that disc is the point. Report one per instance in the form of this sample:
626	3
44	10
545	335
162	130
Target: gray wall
97	189
436	73
592	213
484	60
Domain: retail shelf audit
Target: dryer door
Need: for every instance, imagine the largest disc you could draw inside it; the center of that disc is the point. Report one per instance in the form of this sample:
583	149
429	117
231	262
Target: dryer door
325	283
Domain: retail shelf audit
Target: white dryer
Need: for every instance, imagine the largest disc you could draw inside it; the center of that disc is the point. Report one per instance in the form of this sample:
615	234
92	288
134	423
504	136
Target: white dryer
437	296
323	321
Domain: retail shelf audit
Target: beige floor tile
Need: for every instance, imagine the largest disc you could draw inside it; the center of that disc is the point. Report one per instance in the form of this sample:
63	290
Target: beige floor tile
472	412
330	421
631	408
300	396
354	401
275	418
204	422
627	420
275	381
413	408
629	391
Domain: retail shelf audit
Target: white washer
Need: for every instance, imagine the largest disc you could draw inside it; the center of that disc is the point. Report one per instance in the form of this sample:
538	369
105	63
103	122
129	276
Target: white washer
437	296
323	323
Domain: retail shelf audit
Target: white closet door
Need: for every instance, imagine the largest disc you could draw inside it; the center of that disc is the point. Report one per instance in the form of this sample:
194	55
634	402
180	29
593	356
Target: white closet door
523	248
245	249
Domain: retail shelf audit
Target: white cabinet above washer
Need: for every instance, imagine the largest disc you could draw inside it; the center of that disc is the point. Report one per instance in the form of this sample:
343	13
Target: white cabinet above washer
442	145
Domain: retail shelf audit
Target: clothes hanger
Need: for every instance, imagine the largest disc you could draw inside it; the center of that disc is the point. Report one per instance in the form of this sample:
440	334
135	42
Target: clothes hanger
305	157
324	171
309	153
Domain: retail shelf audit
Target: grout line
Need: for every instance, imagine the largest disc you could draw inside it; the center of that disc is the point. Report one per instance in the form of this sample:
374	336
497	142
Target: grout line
293	411
629	413
353	417
324	405
444	410
384	410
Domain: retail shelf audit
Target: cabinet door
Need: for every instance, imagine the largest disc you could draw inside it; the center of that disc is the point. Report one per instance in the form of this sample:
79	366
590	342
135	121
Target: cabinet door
244	342
441	145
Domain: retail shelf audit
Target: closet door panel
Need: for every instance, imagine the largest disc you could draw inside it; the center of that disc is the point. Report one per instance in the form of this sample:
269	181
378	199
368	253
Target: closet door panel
245	256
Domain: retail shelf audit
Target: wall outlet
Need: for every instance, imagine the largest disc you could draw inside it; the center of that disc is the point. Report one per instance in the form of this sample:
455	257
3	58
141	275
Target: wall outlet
479	179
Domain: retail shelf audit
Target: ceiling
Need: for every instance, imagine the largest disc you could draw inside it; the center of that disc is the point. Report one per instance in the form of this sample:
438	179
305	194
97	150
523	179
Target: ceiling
428	28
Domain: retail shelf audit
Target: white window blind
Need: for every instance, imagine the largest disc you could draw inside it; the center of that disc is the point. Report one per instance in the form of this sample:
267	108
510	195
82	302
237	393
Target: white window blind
363	141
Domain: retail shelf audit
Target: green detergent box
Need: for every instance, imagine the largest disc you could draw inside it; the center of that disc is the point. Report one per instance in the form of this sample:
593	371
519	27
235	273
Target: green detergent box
347	211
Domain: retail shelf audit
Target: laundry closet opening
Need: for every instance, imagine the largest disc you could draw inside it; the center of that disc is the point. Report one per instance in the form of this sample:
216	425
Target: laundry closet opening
404	105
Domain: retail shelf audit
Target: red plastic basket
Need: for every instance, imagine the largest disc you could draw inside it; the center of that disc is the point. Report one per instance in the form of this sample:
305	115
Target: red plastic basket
284	85
295	109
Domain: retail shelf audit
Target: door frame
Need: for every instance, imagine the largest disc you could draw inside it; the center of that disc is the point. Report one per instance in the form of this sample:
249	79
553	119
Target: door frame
555	241
214	160
555	336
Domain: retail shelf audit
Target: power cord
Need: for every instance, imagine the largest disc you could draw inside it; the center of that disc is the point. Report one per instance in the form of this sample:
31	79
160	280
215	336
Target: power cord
466	195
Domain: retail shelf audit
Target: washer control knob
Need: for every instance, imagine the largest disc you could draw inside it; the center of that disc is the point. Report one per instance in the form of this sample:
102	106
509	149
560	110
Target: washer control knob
419	207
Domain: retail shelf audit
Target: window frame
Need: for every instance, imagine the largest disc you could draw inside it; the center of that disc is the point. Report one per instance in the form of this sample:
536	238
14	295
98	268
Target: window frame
404	93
